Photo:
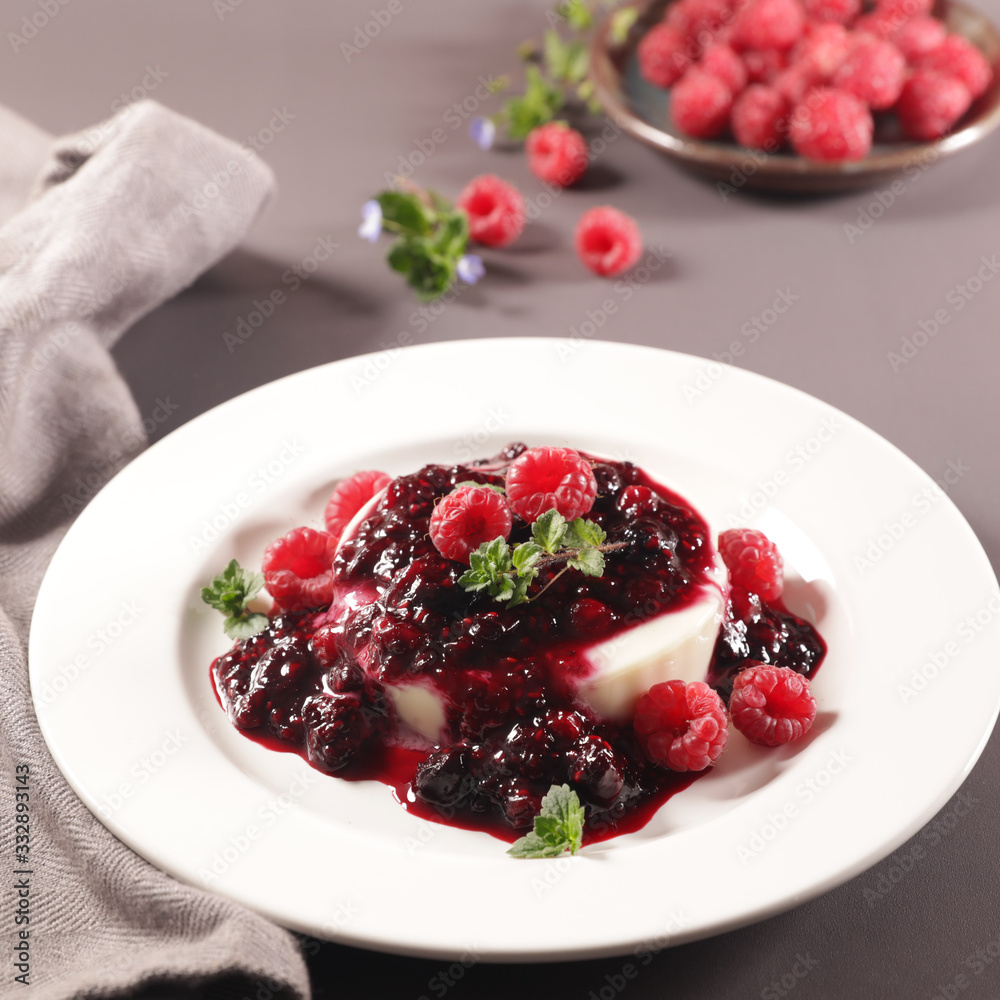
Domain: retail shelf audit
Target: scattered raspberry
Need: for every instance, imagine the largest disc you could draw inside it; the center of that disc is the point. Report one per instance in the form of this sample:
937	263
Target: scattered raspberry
822	50
297	569
349	496
663	55
918	36
930	104
722	61
557	153
681	726
763	65
958	57
495	210
771	705
873	72
608	241
831	125
760	116
466	518
753	562
832	11
542	478
769	24
700	104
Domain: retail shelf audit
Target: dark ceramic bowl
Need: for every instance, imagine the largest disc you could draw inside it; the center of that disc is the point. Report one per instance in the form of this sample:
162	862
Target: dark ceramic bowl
643	110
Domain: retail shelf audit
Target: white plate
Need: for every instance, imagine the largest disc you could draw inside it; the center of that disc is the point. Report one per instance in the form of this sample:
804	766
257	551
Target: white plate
903	593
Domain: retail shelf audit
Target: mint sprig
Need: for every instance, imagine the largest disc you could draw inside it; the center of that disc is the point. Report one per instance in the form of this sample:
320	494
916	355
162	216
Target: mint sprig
506	573
432	239
230	592
558	827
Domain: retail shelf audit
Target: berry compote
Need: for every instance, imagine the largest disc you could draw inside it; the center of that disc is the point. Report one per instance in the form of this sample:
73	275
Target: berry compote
497	688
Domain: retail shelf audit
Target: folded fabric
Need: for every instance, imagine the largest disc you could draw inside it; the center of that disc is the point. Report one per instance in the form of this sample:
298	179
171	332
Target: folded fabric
97	229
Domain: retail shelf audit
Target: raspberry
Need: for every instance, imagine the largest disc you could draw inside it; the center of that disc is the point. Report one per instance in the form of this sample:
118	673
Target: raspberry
495	210
769	24
557	153
542	478
465	519
771	705
721	61
930	104
877	25
832	11
898	11
831	125
763	65
700	20
918	36
681	726
700	104
759	118
794	83
663	56
873	72
822	50
958	57
297	569
608	241
753	562
349	496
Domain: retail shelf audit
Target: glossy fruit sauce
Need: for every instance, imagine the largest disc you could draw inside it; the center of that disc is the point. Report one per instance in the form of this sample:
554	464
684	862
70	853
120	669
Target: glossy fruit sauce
314	682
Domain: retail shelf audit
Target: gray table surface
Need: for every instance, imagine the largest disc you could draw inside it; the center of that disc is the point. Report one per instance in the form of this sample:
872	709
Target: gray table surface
276	75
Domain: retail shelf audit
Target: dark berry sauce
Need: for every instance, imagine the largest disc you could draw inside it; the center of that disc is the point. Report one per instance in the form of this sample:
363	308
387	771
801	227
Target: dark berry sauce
317	683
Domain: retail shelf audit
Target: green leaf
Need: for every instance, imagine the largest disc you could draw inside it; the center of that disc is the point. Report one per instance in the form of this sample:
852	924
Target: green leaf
583	534
429	272
577	13
452	236
550	530
231	589
490	569
539	104
621	23
525	558
557	828
519	593
590	562
404	211
244	628
532	846
577	62
481	486
229	592
556	54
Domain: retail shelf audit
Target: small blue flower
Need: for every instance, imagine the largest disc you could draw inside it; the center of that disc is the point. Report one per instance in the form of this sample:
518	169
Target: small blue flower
371	225
482	131
470	268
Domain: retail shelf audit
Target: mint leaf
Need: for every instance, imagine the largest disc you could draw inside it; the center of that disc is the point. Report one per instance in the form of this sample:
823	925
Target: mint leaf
244	628
481	486
577	13
532	846
584	534
490	569
404	212
590	562
549	530
526	556
519	591
557	828
539	104
229	592
429	272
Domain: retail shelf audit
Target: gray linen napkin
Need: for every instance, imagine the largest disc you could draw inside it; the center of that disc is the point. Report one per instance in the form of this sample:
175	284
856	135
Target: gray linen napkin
95	230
